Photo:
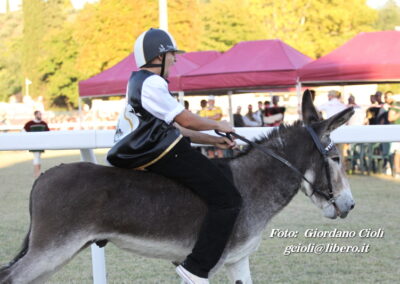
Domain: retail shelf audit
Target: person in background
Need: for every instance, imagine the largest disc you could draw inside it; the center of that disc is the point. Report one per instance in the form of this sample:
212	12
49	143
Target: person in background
333	105
36	125
202	111
358	117
186	104
215	113
260	114
372	111
394	118
238	118
250	118
276	113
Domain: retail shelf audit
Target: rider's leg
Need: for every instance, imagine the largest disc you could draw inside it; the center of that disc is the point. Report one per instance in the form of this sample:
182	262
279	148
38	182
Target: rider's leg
191	168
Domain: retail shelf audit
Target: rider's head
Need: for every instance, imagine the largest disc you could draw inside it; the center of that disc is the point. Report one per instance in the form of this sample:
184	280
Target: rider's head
155	48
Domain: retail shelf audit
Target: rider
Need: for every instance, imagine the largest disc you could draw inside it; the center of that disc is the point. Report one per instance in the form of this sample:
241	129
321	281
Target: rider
154	133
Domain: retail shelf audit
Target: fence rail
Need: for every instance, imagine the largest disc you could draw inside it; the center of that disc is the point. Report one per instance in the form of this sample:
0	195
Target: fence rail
87	140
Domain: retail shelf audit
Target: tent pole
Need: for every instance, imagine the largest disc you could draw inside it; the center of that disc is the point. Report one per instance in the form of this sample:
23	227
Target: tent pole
163	14
298	92
181	97
230	107
80	112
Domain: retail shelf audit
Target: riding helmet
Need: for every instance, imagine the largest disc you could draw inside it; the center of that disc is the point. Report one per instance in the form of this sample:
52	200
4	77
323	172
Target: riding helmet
151	44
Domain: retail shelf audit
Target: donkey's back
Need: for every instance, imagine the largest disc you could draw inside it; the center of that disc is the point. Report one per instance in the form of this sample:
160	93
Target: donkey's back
74	205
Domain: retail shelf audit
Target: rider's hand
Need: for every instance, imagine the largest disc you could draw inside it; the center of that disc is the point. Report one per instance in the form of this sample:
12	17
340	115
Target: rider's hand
224	143
224	126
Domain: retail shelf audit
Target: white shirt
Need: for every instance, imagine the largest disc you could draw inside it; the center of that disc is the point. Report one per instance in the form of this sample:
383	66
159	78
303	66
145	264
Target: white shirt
332	107
157	100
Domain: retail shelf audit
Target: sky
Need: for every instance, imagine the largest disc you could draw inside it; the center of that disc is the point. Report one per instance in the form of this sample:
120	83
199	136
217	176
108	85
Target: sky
78	4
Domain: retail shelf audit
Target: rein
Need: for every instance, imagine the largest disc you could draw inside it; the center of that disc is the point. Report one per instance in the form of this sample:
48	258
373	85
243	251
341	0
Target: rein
324	152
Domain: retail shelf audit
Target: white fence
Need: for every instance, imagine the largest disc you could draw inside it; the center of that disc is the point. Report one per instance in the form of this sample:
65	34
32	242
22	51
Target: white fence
87	140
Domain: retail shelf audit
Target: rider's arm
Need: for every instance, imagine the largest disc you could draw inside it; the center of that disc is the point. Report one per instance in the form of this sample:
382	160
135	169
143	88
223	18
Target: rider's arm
192	121
203	138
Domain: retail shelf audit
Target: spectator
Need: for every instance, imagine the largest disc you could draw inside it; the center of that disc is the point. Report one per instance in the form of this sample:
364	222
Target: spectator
215	113
202	111
358	117
238	118
250	119
186	104
333	106
35	125
394	118
372	111
260	114
275	114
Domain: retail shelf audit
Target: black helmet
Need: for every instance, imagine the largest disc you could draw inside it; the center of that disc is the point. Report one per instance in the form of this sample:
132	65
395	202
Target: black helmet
153	43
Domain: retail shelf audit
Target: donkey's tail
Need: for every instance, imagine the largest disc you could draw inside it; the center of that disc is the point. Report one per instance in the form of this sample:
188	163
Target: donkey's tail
6	269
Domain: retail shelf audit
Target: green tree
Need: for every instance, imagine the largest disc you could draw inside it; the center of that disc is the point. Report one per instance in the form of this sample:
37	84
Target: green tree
106	38
388	16
10	54
34	30
226	23
316	27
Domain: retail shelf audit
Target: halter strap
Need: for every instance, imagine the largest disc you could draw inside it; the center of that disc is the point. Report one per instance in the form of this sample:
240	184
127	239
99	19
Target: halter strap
329	197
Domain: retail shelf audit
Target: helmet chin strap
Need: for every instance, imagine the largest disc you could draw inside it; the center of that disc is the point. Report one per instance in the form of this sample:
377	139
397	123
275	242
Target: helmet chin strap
162	65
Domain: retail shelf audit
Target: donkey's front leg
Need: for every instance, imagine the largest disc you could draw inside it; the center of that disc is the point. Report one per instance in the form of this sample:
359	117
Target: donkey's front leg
239	272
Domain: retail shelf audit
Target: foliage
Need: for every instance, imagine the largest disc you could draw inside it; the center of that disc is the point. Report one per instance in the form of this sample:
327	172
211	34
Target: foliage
388	16
59	46
10	54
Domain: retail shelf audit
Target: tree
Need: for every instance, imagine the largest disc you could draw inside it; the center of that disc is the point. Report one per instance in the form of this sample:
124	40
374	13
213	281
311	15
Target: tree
106	38
34	30
316	27
388	16
229	22
10	54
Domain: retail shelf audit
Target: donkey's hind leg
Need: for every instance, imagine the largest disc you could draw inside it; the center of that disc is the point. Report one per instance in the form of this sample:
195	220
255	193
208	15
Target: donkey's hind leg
239	272
40	262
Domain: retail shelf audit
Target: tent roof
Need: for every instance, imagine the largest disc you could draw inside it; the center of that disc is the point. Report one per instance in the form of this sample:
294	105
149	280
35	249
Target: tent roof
368	57
113	81
249	64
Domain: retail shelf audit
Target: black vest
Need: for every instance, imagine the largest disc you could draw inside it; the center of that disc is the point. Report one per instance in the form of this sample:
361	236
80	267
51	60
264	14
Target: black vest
152	138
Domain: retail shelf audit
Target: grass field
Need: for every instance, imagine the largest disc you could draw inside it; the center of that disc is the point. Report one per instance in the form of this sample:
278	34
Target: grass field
377	206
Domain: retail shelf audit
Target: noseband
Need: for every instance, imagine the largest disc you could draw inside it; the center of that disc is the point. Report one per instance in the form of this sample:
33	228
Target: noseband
317	142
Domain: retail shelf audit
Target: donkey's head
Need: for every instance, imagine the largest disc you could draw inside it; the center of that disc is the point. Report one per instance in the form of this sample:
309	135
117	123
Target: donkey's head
330	189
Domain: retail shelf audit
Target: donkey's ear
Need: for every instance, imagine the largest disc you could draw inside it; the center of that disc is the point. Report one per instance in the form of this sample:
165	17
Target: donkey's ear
330	124
308	110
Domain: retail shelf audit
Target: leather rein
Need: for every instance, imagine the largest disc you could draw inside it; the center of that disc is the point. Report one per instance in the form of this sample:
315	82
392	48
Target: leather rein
317	142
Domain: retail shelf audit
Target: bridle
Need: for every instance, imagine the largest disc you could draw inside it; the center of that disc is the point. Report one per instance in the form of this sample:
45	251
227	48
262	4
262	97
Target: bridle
317	142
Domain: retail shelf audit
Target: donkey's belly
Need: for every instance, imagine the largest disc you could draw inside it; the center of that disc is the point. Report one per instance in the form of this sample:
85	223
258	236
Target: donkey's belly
166	249
175	250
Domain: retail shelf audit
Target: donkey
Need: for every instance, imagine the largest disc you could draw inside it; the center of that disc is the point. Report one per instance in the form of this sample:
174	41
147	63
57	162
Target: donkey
75	205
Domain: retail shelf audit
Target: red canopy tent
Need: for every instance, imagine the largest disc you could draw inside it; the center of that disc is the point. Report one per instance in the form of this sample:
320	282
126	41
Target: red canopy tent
248	65
113	81
368	58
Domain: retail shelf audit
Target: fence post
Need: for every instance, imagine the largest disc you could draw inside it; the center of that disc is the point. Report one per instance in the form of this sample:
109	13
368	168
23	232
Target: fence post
98	256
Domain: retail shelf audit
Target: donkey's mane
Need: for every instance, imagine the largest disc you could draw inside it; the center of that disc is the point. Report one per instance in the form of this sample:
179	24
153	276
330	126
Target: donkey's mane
276	133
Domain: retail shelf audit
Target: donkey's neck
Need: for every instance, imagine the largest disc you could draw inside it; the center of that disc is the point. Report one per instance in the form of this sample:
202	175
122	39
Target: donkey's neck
266	184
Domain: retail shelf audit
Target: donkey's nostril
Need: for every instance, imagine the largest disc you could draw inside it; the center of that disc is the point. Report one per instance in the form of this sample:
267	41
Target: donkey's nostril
352	206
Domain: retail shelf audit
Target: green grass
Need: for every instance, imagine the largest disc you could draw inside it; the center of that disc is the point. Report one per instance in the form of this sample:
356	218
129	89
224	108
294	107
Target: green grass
377	206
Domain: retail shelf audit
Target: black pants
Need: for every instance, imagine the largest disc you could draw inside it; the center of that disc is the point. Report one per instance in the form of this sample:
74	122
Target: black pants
200	175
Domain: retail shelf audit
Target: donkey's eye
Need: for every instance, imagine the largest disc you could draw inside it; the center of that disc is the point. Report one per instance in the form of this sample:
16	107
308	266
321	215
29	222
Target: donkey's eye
336	159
